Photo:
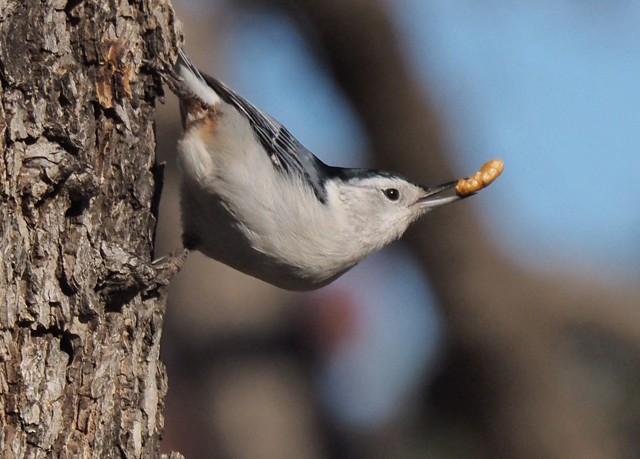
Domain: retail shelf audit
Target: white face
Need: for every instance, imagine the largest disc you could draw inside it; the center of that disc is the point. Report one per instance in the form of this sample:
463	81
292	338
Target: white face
379	209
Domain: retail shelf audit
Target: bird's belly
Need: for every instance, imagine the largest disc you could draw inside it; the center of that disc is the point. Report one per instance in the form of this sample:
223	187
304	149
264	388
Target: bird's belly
231	216
218	234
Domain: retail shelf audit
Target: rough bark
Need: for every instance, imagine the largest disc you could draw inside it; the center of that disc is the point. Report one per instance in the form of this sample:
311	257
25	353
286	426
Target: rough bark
530	346
81	309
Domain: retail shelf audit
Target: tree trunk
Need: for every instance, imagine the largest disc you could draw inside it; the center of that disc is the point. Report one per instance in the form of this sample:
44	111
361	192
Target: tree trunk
82	310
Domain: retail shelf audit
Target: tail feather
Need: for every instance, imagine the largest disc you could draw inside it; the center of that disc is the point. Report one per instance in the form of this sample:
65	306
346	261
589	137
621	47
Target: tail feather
193	81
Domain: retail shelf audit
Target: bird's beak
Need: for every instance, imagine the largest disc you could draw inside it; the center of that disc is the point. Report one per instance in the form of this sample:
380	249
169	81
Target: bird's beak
463	188
439	195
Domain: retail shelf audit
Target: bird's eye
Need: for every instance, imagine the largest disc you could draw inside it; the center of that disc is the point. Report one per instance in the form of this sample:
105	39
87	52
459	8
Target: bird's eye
392	194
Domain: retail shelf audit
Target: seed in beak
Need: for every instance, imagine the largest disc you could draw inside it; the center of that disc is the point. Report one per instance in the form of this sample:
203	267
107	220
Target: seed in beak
481	179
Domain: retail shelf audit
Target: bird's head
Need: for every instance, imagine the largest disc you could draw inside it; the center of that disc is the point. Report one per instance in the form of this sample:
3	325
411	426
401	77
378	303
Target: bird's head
378	207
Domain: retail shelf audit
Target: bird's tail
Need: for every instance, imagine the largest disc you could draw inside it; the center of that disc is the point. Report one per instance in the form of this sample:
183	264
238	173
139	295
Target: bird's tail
192	83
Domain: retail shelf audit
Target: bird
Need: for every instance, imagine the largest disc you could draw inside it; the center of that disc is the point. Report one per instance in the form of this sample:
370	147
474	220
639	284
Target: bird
254	198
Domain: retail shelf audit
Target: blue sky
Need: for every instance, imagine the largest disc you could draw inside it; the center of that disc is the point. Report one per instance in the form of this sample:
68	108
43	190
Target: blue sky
553	88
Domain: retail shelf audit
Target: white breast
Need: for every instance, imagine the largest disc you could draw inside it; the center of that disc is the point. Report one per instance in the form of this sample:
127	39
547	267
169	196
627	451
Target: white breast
240	210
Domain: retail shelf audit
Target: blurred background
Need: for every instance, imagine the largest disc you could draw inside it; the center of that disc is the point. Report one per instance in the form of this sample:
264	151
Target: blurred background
504	326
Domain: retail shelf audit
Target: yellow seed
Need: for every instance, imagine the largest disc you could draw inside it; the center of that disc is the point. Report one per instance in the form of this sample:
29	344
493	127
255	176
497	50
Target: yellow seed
491	170
481	179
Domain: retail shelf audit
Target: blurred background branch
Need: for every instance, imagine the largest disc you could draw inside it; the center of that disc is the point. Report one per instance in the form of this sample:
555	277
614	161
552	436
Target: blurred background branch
539	361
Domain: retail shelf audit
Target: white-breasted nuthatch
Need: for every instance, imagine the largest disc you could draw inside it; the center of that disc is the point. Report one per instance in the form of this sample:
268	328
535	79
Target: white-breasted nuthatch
255	199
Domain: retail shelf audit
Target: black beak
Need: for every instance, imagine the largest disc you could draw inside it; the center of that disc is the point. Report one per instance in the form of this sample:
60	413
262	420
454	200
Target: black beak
439	195
463	188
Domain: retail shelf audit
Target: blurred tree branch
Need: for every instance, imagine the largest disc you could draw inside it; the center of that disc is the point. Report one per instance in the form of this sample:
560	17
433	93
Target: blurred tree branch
527	337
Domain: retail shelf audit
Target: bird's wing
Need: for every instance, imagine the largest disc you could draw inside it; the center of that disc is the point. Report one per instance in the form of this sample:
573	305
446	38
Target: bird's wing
287	154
